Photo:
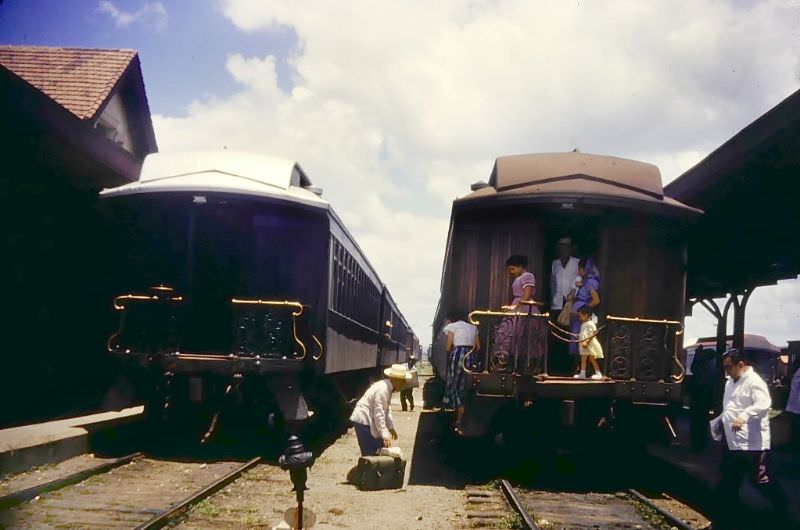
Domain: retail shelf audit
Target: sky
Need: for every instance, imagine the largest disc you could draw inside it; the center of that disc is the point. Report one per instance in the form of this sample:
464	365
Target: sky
394	108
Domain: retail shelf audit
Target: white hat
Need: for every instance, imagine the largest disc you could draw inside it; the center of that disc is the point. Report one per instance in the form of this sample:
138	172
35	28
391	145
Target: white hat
565	241
398	371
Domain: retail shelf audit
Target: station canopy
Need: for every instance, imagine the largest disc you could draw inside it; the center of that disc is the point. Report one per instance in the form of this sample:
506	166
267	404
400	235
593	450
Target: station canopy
749	188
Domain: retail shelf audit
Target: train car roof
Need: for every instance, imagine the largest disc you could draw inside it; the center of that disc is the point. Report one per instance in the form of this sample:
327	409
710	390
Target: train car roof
222	171
574	174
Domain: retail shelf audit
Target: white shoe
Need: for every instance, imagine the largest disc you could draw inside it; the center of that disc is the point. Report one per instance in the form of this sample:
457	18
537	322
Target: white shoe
597	376
581	375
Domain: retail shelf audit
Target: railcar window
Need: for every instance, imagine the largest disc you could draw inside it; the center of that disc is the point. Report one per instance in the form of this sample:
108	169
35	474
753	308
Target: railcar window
354	295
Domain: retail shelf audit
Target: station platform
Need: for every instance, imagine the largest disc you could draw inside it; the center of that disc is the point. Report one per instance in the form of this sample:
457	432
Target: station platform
51	442
699	471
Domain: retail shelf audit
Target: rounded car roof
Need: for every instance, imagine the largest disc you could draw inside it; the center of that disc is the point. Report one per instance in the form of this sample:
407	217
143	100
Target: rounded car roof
574	173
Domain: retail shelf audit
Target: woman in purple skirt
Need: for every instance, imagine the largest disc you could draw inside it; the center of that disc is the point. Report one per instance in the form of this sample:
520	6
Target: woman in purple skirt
516	335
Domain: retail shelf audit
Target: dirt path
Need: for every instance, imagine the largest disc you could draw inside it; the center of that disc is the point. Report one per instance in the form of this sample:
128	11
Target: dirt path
432	498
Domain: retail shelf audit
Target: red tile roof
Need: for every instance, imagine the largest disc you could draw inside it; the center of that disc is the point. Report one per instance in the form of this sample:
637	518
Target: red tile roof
79	79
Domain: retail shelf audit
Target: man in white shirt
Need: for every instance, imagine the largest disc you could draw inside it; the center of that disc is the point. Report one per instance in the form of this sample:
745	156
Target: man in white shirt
744	426
563	273
372	416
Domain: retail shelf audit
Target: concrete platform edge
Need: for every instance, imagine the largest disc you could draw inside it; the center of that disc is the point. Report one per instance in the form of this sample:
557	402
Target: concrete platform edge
22	448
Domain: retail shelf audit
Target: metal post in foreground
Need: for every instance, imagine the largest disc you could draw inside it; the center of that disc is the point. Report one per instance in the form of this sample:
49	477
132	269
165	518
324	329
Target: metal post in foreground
296	459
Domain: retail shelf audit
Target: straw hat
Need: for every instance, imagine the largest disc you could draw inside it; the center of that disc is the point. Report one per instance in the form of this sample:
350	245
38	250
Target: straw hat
398	371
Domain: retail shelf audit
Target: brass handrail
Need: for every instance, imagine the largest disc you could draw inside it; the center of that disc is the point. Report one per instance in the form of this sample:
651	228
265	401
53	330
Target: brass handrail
646	321
319	344
143	297
277	303
490	313
563	338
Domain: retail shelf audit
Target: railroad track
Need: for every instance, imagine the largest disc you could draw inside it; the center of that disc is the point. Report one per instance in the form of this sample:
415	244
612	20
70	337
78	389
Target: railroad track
548	510
131	492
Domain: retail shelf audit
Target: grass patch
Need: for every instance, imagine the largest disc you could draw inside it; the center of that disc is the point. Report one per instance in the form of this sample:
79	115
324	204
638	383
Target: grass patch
651	516
512	521
251	519
208	508
493	484
425	370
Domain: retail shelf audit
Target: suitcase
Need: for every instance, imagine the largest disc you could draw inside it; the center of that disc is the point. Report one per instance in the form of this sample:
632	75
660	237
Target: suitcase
379	473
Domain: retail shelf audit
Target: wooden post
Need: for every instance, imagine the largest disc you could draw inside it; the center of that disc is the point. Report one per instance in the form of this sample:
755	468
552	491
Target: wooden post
738	318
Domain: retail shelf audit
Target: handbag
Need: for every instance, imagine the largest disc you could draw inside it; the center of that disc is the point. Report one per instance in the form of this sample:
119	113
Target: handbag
565	316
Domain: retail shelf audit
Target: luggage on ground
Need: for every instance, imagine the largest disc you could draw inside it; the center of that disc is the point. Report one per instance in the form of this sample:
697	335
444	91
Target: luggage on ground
379	473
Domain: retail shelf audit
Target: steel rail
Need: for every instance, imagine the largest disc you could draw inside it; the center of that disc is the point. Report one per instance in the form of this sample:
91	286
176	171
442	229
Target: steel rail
674	521
17	498
516	503
162	519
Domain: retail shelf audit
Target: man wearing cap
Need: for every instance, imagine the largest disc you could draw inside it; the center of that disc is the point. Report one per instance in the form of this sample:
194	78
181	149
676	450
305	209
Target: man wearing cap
372	416
562	278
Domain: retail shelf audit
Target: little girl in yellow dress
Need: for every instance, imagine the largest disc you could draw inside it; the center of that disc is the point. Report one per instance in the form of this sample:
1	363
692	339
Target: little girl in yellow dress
590	347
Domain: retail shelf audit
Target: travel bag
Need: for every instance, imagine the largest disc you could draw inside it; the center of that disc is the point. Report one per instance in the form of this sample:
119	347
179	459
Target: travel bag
379	473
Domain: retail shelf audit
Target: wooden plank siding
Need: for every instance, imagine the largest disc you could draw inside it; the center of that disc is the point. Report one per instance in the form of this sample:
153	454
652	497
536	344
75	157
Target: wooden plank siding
642	263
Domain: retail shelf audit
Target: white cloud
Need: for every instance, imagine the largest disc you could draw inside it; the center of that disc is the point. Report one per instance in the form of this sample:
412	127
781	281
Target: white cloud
152	15
396	107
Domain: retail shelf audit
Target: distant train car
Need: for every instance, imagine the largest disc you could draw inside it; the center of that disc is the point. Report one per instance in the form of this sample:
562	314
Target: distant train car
241	285
413	347
616	213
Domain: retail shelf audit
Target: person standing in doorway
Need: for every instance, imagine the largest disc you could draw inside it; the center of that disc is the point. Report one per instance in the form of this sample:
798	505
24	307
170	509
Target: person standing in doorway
744	427
586	294
563	272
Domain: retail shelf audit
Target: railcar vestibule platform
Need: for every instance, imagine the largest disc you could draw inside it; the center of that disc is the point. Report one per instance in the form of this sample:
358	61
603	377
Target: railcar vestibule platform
642	359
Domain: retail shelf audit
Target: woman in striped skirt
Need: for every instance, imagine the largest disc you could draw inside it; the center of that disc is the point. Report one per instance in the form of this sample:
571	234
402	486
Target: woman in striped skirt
462	337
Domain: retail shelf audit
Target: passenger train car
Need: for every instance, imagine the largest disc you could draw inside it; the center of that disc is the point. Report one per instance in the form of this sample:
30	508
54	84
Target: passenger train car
615	211
242	286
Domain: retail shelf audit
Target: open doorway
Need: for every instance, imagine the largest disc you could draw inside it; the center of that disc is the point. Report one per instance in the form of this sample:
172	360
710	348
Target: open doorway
567	240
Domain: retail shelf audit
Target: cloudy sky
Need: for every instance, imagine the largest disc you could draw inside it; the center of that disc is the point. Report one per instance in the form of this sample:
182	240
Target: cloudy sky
395	107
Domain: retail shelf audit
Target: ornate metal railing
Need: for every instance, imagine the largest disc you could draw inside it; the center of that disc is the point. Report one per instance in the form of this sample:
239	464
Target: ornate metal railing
643	349
511	341
147	321
273	329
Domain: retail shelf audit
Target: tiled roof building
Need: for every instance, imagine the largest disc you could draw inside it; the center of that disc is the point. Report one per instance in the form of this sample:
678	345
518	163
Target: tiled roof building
98	89
72	121
78	79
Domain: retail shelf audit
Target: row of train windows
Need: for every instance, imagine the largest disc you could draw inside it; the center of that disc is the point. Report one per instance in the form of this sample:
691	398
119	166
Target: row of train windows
354	295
